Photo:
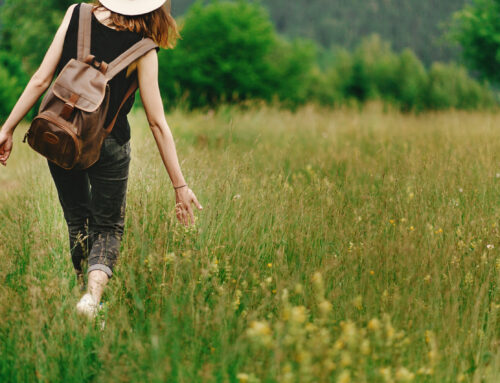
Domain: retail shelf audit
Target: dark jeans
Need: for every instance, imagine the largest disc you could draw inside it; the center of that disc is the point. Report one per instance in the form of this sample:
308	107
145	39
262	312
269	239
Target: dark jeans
93	201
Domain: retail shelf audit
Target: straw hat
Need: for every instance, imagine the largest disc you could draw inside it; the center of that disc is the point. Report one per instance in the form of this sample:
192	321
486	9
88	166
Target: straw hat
132	7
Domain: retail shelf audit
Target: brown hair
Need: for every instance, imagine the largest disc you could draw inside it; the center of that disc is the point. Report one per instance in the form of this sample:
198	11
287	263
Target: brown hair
158	25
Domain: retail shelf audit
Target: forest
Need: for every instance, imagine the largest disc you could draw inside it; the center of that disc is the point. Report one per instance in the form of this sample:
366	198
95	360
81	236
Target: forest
329	53
418	25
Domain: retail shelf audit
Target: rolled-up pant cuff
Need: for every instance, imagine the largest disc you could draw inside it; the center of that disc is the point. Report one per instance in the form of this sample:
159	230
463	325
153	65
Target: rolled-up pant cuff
104	268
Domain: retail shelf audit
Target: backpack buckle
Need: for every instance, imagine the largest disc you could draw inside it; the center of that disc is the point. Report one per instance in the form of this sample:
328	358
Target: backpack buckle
101	66
69	106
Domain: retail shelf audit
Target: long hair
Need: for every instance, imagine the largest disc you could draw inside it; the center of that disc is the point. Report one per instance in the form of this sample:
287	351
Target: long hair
158	25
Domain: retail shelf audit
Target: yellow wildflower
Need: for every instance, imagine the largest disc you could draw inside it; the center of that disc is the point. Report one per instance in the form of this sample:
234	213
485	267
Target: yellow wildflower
345	359
365	347
403	375
325	307
298	288
242	377
169	257
374	324
344	377
358	302
258	328
298	314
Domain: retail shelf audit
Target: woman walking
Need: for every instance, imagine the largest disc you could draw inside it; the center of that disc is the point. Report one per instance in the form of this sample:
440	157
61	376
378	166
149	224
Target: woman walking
93	200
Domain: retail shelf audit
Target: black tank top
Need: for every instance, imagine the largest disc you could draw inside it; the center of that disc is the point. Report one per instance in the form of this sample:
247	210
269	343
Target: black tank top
106	45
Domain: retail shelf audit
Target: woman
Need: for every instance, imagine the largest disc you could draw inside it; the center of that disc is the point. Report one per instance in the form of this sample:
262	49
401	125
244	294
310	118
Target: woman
93	200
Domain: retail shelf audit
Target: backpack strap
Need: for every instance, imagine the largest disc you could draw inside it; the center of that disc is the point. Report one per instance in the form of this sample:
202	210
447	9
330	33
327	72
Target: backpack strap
117	65
137	50
84	31
129	93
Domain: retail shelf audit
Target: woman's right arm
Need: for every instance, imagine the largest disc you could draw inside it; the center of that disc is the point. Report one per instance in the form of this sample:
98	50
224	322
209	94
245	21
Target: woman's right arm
35	88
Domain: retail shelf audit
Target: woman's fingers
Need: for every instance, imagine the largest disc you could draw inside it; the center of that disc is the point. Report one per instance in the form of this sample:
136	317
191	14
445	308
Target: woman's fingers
5	148
190	214
184	214
4	156
185	218
179	212
196	203
184	211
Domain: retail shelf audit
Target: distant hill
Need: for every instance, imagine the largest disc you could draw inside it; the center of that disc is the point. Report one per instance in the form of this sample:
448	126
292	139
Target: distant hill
417	24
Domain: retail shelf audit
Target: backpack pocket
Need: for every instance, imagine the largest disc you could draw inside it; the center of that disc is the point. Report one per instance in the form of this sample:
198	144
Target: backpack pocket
55	139
84	80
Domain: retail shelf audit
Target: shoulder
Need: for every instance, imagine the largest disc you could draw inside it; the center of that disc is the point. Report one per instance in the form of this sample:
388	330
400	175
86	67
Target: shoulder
71	9
70	13
151	57
68	17
146	62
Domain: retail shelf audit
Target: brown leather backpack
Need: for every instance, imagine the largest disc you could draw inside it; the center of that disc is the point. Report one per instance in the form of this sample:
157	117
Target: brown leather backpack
69	129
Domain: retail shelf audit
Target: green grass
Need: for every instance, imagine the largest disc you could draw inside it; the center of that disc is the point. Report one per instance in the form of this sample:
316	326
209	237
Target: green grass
333	246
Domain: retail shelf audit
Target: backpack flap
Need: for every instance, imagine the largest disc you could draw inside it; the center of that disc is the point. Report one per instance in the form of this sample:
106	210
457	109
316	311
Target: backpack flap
81	86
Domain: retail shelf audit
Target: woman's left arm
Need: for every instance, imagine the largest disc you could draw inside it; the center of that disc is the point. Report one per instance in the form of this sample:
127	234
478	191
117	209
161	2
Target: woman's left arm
147	72
37	85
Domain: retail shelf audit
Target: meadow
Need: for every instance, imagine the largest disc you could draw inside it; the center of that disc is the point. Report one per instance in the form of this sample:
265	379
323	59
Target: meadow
334	246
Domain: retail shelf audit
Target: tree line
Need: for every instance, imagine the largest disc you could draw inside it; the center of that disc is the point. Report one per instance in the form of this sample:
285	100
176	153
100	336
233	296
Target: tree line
417	25
231	52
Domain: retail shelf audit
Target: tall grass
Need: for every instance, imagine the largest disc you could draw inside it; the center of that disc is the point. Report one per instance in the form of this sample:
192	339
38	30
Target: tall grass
334	246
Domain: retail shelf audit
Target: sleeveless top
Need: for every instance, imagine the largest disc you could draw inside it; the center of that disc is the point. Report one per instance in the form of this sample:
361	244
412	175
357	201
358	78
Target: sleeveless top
106	45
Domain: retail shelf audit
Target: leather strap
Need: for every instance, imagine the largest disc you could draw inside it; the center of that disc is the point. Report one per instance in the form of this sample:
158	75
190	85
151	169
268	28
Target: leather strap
123	61
69	106
130	91
129	56
84	31
117	65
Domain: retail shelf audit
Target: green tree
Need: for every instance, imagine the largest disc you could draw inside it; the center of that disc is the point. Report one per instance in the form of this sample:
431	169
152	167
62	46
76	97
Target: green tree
418	25
28	27
411	80
291	66
375	72
477	29
12	82
222	56
450	86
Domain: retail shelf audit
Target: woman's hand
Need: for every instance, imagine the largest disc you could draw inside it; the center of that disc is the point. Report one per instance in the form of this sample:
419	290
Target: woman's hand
184	197
5	147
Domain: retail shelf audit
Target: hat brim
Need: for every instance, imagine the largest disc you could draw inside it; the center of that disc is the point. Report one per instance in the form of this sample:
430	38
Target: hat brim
132	7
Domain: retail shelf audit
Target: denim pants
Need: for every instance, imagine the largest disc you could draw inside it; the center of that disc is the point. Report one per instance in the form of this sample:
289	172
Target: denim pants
93	201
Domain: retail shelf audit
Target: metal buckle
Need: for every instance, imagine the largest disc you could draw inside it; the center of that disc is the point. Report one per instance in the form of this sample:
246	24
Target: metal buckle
96	64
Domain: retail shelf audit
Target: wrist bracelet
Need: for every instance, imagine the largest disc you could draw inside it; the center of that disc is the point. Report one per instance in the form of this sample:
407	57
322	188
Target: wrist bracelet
179	187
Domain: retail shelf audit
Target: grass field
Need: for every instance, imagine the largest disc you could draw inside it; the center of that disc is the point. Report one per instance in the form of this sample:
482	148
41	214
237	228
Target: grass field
334	246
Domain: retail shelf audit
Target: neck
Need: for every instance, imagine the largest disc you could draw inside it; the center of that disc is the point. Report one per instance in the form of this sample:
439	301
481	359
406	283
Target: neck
103	16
